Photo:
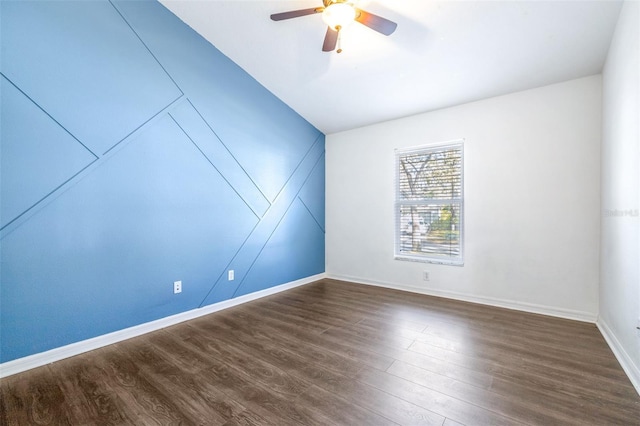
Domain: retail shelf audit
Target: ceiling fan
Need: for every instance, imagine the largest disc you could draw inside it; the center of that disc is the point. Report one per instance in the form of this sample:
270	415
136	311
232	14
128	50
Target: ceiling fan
337	14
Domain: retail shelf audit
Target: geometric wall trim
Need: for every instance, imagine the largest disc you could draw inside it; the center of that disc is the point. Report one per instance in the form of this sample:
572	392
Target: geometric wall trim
280	249
38	155
260	236
100	91
219	156
133	223
268	152
211	173
309	194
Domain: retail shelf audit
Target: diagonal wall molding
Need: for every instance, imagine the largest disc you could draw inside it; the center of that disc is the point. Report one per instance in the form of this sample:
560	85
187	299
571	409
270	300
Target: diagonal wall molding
250	250
205	139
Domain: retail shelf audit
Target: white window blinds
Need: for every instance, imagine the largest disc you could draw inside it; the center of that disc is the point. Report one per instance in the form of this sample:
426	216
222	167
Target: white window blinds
429	200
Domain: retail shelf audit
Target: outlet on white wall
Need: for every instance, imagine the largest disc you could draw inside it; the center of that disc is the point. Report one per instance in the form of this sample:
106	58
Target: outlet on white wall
177	287
425	275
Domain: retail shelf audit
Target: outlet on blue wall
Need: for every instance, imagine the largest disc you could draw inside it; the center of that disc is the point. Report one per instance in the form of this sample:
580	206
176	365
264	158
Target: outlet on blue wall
134	154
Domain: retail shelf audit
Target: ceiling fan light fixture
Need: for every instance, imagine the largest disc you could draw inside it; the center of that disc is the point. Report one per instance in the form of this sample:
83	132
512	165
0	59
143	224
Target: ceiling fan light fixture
339	15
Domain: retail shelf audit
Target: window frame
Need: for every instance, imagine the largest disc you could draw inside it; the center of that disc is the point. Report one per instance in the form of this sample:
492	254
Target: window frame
398	202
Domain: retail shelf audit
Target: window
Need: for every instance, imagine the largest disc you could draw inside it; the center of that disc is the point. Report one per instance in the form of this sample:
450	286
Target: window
429	204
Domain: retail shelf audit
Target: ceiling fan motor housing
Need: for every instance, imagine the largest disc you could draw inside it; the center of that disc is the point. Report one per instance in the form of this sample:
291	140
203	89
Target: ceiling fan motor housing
339	15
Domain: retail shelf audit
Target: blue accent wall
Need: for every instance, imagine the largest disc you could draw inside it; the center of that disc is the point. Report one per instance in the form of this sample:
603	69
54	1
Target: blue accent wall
133	154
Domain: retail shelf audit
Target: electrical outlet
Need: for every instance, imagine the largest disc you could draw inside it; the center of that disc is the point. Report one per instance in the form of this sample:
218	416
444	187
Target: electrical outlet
177	287
231	275
425	275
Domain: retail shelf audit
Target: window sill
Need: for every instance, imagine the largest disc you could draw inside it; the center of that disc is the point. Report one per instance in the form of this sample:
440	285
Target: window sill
427	260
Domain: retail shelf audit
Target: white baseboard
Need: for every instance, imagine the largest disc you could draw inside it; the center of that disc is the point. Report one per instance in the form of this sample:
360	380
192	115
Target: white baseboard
625	360
490	301
37	360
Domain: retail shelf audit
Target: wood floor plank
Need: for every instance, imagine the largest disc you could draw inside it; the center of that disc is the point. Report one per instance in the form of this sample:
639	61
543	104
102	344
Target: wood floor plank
338	353
482	373
437	402
519	335
339	410
607	366
345	387
318	310
279	316
309	315
270	405
260	339
288	325
248	418
368	397
391	335
405	328
276	379
517	359
89	398
381	337
515	403
197	399
139	396
34	398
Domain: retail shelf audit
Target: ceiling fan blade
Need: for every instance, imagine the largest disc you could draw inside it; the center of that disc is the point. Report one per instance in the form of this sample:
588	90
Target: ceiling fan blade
296	13
375	22
330	40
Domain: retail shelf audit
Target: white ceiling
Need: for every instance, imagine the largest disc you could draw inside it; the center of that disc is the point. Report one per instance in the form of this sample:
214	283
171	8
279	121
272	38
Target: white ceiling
443	53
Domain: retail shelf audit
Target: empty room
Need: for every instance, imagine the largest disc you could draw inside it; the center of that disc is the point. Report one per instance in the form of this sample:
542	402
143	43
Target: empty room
319	212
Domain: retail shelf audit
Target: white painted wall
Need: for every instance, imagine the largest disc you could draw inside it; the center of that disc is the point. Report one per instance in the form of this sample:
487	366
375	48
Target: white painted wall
620	257
532	200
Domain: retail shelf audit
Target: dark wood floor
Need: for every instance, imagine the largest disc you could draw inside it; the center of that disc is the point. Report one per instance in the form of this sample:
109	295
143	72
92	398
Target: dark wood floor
338	353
